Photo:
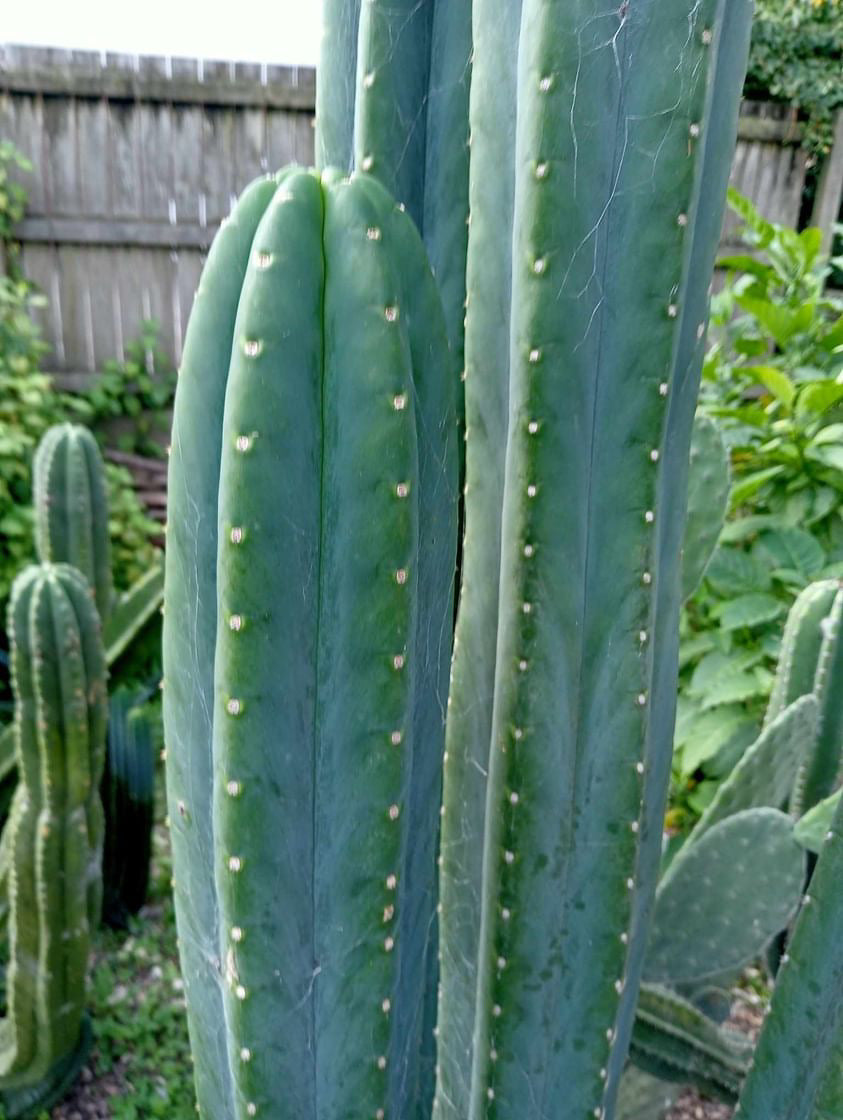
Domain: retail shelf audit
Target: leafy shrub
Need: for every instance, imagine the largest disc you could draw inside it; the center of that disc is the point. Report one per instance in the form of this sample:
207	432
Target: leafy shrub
797	57
773	379
140	389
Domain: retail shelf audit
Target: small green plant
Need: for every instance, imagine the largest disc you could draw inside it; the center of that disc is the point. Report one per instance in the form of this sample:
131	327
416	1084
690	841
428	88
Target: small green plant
773	379
140	390
796	57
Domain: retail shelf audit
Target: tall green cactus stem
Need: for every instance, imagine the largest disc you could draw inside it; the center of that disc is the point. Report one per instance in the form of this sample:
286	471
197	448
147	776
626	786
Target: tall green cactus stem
793	1070
469	723
392	100
621	166
71	507
54	833
337	452
822	768
801	644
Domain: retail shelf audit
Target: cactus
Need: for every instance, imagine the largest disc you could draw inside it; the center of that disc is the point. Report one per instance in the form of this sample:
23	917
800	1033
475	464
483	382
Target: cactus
392	100
644	1097
800	651
796	1065
765	774
597	401
131	612
822	768
811	829
306	644
71	507
54	833
675	1041
709	482
128	794
724	897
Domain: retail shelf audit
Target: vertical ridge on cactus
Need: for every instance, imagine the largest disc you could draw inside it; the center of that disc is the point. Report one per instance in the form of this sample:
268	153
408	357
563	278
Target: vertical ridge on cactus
337	453
53	838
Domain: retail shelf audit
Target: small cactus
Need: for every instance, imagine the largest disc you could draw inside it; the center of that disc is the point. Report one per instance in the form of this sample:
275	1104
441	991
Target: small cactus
54	833
71	507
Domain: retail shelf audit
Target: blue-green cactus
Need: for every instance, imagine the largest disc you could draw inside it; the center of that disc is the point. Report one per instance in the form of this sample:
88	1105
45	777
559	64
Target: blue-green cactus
709	483
613	198
71	507
796	1065
53	838
304	696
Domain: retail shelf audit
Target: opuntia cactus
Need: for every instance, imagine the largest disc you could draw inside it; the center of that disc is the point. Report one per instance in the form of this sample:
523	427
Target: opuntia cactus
307	637
54	832
71	507
796	1065
709	483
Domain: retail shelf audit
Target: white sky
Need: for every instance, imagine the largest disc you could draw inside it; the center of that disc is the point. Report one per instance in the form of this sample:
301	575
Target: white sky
282	31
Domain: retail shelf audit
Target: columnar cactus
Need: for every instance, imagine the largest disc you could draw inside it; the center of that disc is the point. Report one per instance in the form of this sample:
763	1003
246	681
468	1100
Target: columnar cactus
53	837
624	121
392	100
306	649
71	507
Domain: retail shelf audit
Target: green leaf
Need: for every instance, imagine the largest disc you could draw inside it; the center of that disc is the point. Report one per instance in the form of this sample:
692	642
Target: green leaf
711	732
829	455
734	572
739	530
811	830
782	323
748	610
776	380
750	484
792	548
819	396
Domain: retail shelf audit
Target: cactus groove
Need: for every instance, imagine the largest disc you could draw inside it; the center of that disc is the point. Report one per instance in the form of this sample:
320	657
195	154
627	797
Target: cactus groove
333	440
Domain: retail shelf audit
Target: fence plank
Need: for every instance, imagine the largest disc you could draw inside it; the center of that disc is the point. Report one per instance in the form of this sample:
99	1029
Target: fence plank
137	160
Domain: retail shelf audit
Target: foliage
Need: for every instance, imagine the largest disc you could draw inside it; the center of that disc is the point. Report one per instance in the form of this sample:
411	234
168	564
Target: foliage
797	57
773	379
12	203
139	389
29	405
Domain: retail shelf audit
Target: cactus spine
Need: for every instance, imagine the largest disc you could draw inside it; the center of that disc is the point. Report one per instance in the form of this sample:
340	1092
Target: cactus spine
329	435
71	507
54	833
602	381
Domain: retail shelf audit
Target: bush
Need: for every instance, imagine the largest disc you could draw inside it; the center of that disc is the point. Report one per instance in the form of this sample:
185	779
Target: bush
773	380
797	57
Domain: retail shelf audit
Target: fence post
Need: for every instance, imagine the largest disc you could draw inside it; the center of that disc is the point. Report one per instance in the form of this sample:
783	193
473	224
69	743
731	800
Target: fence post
830	188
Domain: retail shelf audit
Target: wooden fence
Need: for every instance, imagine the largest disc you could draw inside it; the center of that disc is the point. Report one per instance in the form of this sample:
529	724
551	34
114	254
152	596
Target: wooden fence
137	159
